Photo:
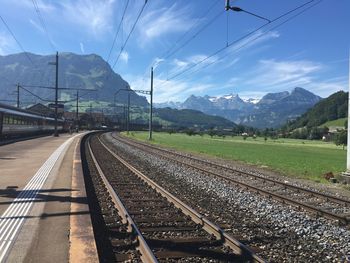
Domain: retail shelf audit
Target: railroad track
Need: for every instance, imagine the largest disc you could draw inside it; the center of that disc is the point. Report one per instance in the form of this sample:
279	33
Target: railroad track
319	204
160	226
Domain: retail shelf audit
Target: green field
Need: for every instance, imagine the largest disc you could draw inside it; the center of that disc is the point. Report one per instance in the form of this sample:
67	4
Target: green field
297	158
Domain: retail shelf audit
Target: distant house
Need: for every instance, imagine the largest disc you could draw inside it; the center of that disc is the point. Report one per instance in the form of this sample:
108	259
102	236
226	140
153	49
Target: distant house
72	115
42	110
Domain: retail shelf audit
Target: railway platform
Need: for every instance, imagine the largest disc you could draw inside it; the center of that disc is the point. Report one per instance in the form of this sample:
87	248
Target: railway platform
44	213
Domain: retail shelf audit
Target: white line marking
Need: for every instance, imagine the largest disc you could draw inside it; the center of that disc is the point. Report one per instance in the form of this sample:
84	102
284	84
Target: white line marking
12	219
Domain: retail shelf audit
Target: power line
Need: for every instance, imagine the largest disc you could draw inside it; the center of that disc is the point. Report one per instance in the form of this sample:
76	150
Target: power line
14	37
260	35
42	22
251	33
47	100
116	34
165	54
196	34
132	29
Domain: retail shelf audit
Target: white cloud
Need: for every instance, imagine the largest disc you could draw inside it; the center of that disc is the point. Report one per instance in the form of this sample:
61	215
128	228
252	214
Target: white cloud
272	73
275	76
94	16
256	38
219	62
124	56
169	90
37	26
156	62
82	49
44	6
179	67
166	20
180	63
6	44
328	86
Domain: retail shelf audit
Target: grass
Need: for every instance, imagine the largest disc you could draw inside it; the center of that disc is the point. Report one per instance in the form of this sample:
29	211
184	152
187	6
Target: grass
335	123
296	158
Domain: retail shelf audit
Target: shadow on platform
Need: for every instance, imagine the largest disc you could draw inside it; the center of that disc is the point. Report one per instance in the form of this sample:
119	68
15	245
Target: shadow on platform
43	195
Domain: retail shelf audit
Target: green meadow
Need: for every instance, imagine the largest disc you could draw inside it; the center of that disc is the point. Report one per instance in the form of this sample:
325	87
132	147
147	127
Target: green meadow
297	158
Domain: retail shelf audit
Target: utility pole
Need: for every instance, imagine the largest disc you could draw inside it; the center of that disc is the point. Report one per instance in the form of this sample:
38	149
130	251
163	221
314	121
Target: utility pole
151	107
348	146
77	113
124	117
91	120
56	95
18	95
346	174
128	116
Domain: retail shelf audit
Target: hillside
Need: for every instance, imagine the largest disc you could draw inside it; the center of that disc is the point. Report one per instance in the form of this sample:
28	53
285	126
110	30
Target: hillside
74	71
329	109
192	118
335	123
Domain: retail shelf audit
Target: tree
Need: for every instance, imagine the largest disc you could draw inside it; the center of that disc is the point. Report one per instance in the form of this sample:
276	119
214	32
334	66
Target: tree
341	138
266	132
171	131
316	133
211	133
190	132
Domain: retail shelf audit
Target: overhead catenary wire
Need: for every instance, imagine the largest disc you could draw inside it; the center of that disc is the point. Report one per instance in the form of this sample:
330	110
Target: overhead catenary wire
46	100
18	43
132	29
166	53
43	25
249	34
196	34
258	36
117	32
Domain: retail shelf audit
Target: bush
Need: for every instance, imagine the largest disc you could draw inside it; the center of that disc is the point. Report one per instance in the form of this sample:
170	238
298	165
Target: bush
190	132
341	138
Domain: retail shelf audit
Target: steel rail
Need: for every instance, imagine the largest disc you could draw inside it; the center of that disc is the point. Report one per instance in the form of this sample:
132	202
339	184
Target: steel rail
286	185
318	211
146	253
211	228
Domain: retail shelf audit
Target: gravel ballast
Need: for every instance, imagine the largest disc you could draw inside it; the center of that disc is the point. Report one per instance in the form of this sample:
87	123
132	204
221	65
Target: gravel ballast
277	232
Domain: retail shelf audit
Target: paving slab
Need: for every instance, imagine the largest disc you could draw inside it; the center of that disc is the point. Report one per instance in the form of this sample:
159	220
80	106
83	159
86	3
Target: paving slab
36	197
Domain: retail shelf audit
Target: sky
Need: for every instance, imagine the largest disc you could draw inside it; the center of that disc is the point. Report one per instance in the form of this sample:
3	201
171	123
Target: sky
195	47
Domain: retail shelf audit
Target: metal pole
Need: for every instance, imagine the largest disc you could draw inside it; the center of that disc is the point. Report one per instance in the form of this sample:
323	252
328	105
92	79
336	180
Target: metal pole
114	110
124	122
91	119
347	148
17	95
128	116
151	107
77	112
56	96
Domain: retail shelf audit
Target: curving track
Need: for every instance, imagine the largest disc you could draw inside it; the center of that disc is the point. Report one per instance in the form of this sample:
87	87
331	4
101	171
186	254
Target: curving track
320	204
154	222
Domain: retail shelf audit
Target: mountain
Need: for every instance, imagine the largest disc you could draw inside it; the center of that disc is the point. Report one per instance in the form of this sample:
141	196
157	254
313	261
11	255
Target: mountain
74	71
168	104
329	109
192	118
275	109
272	110
231	106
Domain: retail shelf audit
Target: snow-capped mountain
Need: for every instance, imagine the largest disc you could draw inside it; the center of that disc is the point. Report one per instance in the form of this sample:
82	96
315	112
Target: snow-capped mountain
272	110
